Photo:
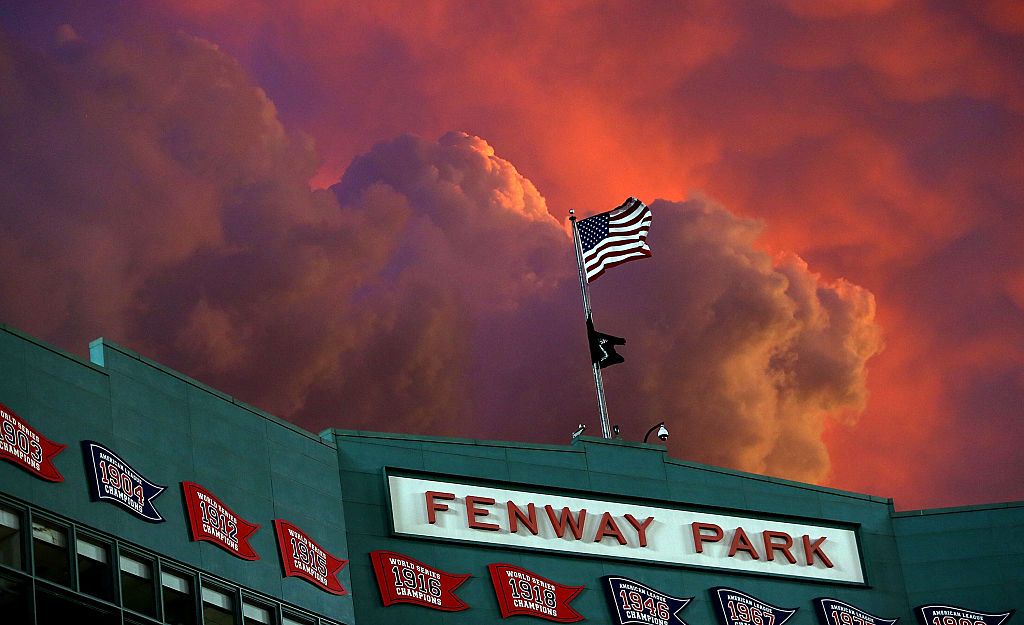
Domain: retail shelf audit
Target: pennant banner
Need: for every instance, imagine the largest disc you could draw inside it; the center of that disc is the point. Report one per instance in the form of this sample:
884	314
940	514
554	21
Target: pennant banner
950	615
115	481
633	602
835	612
211	521
22	445
402	579
738	608
302	557
522	592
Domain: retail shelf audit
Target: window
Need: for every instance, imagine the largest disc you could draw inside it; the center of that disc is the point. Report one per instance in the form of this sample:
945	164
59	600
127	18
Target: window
95	575
138	592
218	606
179	597
10	537
254	613
292	619
15	599
50	545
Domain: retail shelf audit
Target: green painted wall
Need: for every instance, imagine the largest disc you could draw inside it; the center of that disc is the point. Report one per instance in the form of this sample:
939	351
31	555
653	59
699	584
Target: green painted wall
171	429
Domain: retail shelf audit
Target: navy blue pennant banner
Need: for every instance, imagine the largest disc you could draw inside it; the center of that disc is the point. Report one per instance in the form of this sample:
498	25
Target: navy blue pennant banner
738	608
952	615
835	612
115	481
633	602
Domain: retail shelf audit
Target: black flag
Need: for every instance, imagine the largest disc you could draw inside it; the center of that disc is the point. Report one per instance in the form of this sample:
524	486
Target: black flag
602	347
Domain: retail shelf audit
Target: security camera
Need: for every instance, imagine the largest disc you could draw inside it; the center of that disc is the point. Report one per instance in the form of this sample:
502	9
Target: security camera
579	431
663	432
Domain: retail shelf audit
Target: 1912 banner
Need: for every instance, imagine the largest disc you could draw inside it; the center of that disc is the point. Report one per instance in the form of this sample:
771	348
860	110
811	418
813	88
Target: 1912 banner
633	602
22	445
212	521
738	608
520	591
113	480
302	557
402	579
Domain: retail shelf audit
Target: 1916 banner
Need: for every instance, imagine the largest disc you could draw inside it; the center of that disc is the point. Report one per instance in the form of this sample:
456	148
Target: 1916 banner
302	557
402	579
114	481
738	608
22	445
523	592
211	521
633	602
835	612
952	615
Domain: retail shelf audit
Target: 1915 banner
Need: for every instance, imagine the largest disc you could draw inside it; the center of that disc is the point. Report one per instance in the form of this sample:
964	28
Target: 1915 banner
302	557
402	579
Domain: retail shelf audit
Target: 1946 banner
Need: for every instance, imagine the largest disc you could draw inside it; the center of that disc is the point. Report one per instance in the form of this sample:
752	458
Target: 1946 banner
302	557
835	612
114	481
22	445
211	521
738	608
952	615
402	579
523	592
633	602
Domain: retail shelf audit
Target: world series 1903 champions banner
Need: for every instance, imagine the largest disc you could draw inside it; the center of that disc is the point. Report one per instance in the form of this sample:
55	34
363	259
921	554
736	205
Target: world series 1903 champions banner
952	615
22	445
111	479
402	579
521	591
633	602
835	612
738	608
302	557
212	521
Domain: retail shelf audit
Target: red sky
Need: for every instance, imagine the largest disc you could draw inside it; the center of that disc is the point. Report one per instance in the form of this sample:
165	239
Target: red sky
352	214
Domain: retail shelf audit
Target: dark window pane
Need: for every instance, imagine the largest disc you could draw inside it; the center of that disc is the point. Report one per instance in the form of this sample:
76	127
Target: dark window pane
15	600
10	537
294	619
50	545
218	607
59	607
179	598
95	575
138	592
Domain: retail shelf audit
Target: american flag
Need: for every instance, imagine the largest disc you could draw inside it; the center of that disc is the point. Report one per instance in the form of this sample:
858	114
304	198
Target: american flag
614	237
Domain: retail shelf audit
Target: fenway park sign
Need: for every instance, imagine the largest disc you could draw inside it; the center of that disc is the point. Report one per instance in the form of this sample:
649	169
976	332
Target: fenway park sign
502	517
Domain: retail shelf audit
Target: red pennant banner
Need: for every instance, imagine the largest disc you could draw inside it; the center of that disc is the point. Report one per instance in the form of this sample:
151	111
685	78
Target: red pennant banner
402	579
212	521
21	444
522	592
302	557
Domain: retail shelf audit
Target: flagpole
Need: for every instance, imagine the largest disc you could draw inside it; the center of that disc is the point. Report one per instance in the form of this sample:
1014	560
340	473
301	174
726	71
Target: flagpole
606	428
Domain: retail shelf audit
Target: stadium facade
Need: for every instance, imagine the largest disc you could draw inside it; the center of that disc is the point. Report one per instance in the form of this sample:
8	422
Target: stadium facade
130	493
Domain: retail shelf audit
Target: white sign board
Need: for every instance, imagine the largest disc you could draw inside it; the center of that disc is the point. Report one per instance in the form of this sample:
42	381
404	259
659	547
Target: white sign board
591	527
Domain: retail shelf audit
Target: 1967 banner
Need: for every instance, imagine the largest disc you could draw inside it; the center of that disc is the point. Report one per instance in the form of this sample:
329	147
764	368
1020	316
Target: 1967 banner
22	445
739	608
302	557
211	521
524	592
402	579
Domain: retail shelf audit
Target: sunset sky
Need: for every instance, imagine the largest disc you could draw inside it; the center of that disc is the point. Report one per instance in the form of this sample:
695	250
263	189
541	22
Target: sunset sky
353	215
